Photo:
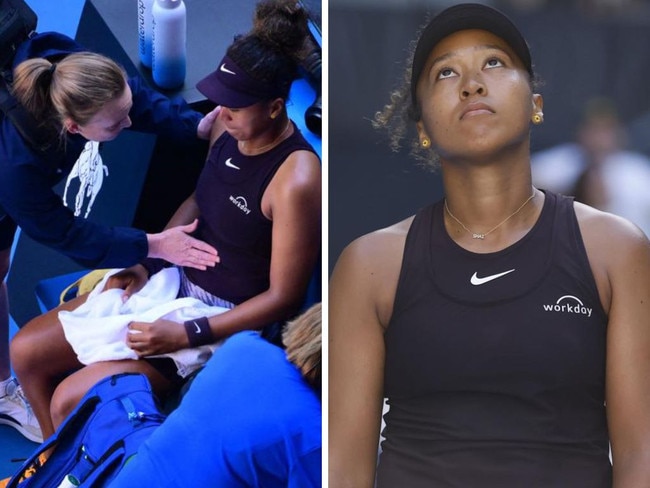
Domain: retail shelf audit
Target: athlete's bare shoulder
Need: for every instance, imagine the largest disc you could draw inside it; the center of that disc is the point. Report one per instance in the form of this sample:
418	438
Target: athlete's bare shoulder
369	268
380	247
615	246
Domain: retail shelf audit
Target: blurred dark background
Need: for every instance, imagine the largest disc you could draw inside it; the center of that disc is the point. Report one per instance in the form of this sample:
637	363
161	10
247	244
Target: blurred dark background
581	49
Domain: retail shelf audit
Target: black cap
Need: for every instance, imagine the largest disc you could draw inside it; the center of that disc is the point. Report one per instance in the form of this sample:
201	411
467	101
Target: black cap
462	17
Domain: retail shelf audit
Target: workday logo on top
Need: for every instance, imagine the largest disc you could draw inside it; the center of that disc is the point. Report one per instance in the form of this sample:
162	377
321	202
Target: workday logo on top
568	304
241	203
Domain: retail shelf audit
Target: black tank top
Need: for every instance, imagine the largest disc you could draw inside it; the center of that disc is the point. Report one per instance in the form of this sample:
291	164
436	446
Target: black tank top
229	195
495	363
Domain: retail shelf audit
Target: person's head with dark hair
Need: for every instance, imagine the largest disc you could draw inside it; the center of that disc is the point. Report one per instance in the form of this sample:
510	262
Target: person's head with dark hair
442	318
260	65
252	81
405	106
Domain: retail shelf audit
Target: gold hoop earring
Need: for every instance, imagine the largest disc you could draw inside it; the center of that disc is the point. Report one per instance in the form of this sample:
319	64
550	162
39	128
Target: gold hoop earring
537	119
425	143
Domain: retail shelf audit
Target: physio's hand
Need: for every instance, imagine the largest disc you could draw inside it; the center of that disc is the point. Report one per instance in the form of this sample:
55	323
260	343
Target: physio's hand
131	280
159	337
206	123
178	247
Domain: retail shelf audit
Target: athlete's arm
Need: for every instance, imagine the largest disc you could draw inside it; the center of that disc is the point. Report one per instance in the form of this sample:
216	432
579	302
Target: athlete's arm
292	201
362	290
619	254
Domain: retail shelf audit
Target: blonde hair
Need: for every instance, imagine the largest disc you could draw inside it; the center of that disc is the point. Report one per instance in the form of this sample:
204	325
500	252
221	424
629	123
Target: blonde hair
77	87
302	339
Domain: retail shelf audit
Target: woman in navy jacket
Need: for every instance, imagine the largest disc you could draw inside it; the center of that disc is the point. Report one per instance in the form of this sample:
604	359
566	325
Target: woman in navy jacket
78	97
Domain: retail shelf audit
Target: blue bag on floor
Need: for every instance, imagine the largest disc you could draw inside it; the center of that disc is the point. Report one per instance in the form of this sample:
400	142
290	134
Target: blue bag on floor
97	438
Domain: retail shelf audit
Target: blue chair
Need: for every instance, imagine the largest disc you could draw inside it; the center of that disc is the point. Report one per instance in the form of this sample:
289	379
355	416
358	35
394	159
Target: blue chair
48	291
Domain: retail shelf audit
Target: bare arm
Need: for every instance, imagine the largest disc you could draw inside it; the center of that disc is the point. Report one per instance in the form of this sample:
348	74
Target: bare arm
186	213
621	264
217	128
133	278
176	245
362	290
293	202
206	124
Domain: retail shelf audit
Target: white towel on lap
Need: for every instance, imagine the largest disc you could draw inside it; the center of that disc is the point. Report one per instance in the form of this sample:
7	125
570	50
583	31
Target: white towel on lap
97	329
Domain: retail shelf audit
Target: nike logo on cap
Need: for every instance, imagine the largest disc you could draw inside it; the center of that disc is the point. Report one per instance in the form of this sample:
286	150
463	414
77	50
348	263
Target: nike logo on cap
226	70
230	165
475	280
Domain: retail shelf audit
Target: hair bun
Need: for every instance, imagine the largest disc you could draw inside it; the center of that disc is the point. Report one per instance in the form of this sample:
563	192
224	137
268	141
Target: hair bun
281	24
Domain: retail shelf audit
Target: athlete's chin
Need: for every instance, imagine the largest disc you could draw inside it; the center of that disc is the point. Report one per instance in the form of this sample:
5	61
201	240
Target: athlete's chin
234	133
484	146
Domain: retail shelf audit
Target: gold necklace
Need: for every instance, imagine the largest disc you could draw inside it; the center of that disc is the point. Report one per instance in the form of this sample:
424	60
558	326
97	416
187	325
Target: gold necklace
476	235
261	149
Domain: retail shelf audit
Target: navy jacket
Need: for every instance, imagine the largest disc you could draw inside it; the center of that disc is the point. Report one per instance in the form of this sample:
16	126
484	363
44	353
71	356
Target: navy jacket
27	176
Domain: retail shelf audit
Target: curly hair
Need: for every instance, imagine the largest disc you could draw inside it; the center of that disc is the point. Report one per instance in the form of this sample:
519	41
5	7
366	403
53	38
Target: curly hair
271	52
399	115
281	24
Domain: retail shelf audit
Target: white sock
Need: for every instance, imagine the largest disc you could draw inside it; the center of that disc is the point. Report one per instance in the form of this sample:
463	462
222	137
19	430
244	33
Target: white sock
3	386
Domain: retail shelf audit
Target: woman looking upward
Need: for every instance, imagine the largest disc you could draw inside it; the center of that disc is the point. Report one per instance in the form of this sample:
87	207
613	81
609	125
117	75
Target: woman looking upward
506	325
